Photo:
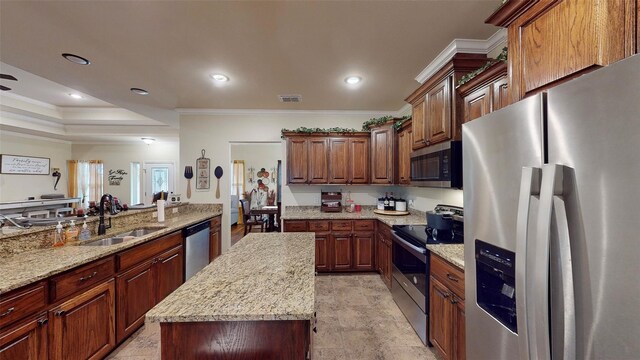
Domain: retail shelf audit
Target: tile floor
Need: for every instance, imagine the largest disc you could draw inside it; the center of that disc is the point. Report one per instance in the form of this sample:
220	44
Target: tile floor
357	320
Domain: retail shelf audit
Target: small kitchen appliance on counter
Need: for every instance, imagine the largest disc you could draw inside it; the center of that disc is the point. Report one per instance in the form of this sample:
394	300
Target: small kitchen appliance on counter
410	288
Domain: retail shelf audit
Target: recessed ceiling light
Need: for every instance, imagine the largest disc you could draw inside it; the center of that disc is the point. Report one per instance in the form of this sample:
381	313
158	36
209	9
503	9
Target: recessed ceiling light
76	59
352	80
76	96
139	91
148	141
219	77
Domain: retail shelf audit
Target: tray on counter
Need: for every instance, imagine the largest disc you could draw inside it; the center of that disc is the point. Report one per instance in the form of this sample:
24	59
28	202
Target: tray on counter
391	212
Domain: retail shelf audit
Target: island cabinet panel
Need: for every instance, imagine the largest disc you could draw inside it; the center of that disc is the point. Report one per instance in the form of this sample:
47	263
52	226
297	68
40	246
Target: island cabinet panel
318	165
382	154
297	160
364	251
265	340
342	254
27	340
359	161
339	160
22	303
438	112
136	296
215	243
84	326
418	124
169	272
322	252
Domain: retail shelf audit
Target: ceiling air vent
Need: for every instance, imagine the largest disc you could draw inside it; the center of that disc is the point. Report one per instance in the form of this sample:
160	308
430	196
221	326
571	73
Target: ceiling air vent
290	98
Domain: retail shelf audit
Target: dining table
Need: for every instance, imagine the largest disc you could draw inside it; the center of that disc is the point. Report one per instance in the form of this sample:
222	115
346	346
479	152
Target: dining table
270	210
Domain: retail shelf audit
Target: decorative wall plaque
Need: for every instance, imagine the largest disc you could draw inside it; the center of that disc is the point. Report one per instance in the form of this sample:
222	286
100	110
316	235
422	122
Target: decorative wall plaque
203	172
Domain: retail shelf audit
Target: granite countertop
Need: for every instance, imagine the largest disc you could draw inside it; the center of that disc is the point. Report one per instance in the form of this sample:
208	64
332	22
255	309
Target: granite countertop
28	267
453	253
265	276
313	212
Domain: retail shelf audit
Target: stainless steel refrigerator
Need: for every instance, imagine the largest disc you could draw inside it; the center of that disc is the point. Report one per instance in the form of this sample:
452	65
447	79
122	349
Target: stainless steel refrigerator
552	222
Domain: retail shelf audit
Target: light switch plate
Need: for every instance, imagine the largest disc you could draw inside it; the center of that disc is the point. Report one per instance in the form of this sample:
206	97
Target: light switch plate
174	210
154	214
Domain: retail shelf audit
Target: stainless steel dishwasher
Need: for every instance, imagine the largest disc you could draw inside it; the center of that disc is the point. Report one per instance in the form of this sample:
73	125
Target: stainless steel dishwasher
196	248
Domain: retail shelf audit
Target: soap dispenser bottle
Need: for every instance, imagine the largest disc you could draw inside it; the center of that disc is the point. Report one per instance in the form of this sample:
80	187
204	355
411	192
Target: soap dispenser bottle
85	234
71	234
57	240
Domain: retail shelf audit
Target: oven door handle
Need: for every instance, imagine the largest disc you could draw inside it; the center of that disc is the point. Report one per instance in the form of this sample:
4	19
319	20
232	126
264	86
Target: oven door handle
414	250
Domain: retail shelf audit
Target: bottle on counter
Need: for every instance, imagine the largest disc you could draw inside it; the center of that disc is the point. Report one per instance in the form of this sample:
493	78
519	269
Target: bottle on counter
72	232
392	202
58	240
85	233
380	203
386	201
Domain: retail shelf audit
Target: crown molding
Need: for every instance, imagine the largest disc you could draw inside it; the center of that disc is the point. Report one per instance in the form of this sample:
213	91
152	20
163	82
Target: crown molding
406	109
29	100
469	46
240	112
35	137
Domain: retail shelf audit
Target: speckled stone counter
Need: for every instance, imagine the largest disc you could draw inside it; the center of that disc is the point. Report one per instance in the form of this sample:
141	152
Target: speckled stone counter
314	213
28	267
453	253
266	276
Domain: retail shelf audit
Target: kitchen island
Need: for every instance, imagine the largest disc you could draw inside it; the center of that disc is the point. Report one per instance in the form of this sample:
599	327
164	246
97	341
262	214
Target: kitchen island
256	301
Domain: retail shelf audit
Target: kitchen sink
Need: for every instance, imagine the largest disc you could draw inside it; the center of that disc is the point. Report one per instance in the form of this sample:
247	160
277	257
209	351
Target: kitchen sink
122	237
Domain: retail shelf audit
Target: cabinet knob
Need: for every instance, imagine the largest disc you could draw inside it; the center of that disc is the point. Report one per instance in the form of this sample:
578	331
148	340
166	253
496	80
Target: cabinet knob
42	322
60	313
454	300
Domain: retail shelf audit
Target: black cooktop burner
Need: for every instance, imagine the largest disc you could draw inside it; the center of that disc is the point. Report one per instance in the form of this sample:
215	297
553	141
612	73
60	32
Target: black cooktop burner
421	235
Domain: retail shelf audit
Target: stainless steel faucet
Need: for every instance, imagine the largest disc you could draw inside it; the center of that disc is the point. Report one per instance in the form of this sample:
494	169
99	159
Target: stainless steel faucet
102	228
3	218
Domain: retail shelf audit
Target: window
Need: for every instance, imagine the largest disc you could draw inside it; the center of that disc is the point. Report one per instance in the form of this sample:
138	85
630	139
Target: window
158	176
237	176
135	183
86	180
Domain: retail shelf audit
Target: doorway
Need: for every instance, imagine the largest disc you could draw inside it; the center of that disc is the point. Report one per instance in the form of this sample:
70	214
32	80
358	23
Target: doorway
158	176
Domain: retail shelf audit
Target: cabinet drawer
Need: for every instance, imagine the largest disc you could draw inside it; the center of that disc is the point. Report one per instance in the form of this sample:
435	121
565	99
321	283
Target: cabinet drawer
341	225
450	276
81	278
140	253
215	222
295	226
21	303
317	226
364	225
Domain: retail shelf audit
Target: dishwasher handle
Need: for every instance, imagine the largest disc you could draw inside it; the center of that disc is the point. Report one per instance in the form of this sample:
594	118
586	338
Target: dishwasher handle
190	230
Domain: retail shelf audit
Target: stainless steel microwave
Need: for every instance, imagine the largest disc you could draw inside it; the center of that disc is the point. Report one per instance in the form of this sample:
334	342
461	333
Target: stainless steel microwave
438	165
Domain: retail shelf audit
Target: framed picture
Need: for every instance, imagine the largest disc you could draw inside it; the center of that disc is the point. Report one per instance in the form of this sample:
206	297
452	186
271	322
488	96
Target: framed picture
24	165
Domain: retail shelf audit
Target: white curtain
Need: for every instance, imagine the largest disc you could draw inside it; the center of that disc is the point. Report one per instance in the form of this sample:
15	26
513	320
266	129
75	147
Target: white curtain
237	181
86	180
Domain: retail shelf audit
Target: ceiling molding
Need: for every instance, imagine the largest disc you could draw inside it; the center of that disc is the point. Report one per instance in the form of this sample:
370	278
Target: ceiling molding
29	100
240	112
405	110
36	137
470	46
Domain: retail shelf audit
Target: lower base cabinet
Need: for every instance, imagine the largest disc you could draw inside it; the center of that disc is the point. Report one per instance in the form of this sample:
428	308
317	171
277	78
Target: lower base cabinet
27	340
342	252
383	243
215	244
322	252
84	326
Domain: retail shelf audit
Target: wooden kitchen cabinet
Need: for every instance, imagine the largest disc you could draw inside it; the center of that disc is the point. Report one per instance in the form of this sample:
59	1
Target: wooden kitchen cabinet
21	303
485	93
27	340
83	327
339	160
322	252
169	272
404	141
383	152
297	159
364	251
384	253
437	108
446	309
317	162
342	254
551	41
215	242
359	161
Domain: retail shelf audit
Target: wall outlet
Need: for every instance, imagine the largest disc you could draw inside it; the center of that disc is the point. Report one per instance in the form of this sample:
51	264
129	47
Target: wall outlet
174	210
154	214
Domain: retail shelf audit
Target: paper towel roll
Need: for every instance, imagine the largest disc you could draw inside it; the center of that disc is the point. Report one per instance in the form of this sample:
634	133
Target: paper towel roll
160	205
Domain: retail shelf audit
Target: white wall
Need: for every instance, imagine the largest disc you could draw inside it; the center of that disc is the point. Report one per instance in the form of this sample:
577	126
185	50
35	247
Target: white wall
120	156
257	155
426	199
20	187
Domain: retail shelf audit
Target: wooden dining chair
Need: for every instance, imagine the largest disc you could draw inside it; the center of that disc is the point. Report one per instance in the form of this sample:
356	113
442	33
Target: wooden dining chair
248	219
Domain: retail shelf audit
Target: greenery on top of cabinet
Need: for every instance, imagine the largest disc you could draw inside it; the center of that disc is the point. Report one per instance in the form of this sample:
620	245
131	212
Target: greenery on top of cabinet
468	77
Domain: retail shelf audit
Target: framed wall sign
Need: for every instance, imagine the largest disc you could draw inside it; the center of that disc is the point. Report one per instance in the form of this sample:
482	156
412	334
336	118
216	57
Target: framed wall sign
203	173
24	165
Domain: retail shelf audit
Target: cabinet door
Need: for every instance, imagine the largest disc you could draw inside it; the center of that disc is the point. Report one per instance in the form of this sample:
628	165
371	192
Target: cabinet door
438	114
136	295
339	160
169	268
387	265
418	125
500	94
359	161
404	156
380	255
459	334
84	326
478	103
363	251
318	167
297	160
382	151
342	252
26	340
441	317
214	243
322	252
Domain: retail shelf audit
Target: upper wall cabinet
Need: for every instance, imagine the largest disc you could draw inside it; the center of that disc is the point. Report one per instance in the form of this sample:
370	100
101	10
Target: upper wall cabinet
328	158
383	154
485	93
404	141
437	107
551	41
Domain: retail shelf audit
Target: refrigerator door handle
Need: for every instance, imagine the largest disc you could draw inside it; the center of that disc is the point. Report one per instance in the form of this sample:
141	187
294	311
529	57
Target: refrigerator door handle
529	186
538	272
563	311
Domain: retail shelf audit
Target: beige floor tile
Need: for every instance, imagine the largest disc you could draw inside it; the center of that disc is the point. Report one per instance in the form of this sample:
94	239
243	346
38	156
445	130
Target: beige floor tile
329	354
